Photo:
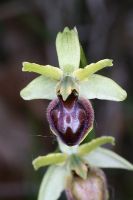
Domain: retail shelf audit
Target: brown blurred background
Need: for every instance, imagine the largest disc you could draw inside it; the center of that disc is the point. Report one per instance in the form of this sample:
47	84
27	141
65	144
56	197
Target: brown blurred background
28	30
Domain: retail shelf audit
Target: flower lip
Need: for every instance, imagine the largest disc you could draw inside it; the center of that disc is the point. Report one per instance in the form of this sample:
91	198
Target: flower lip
70	120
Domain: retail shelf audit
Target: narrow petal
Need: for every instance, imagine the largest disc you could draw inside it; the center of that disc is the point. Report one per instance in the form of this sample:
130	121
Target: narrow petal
86	148
47	70
82	74
40	88
101	87
50	159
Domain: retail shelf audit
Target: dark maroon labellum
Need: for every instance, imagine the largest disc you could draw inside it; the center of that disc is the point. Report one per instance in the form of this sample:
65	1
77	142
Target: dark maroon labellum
70	119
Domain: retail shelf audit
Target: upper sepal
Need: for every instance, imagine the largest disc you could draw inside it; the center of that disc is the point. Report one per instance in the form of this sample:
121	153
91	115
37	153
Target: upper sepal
68	50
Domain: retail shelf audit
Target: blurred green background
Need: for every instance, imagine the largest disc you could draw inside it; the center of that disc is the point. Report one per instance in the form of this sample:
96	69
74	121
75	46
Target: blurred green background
28	29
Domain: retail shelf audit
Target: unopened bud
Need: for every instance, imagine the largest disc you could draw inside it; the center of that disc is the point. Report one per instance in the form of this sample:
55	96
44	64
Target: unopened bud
93	188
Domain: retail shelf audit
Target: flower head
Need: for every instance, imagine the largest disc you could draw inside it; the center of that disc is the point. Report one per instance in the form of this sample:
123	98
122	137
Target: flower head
71	124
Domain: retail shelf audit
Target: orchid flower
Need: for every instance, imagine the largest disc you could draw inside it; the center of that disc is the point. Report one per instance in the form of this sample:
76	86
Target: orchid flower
71	116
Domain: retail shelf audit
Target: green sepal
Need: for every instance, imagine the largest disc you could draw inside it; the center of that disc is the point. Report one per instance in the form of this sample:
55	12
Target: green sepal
53	183
105	158
68	50
82	74
101	87
90	146
50	159
40	88
47	70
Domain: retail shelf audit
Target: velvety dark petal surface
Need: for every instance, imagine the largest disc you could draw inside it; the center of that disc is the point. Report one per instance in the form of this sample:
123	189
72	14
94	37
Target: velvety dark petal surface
70	119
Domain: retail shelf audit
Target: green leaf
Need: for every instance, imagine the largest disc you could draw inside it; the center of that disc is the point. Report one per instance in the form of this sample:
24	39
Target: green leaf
82	74
90	146
40	88
53	183
47	70
104	158
101	87
50	159
68	50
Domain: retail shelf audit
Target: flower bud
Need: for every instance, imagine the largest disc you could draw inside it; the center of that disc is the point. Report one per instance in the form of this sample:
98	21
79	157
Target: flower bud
71	119
93	188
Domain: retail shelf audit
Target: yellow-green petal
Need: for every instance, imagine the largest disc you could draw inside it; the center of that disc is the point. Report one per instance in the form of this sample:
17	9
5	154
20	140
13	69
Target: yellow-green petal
82	74
46	70
50	159
90	146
